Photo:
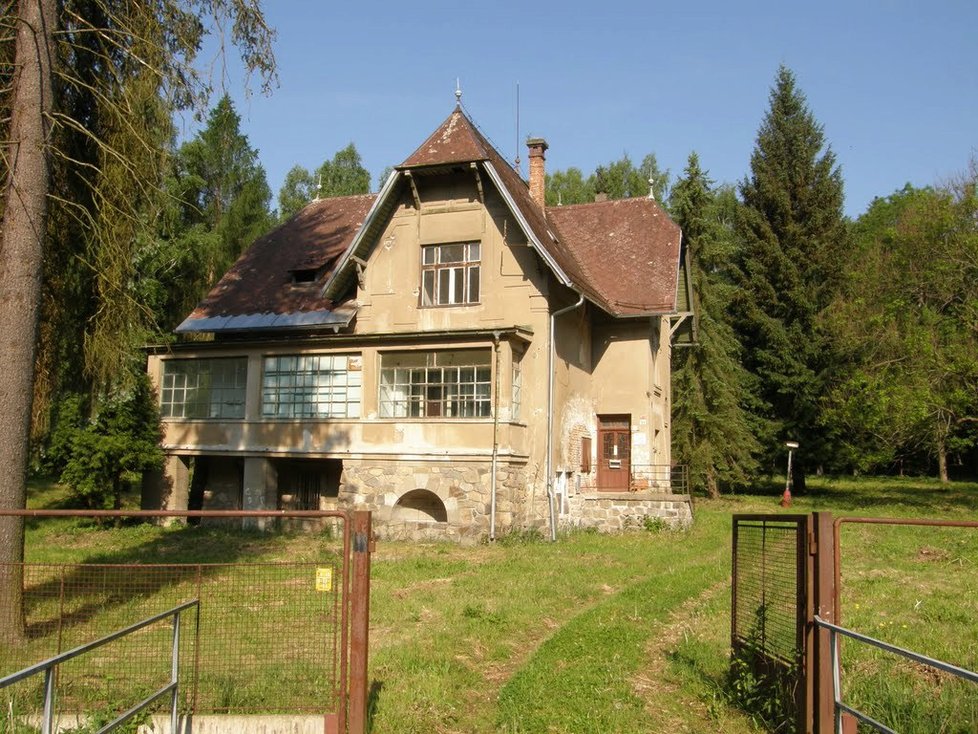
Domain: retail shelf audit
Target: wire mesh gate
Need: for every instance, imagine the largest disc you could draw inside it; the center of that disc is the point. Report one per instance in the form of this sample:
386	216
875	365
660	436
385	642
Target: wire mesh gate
283	637
769	605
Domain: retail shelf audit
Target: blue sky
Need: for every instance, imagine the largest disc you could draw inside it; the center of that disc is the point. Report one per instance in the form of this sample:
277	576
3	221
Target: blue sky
895	84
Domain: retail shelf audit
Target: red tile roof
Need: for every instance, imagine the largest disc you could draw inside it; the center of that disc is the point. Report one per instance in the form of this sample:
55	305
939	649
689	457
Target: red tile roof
261	281
623	255
628	250
455	141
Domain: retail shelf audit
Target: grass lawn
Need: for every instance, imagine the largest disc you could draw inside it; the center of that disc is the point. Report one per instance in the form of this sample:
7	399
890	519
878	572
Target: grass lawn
625	633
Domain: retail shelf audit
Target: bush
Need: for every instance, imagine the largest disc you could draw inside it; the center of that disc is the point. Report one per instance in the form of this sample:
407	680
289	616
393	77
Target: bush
99	456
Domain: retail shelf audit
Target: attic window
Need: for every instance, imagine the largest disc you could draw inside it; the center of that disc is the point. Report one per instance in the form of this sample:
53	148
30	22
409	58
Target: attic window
300	277
450	274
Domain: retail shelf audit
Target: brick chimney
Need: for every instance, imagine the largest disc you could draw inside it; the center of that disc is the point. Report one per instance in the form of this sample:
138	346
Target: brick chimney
537	147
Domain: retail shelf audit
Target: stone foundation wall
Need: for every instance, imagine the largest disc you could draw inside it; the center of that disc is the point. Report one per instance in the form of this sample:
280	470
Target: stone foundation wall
614	512
463	488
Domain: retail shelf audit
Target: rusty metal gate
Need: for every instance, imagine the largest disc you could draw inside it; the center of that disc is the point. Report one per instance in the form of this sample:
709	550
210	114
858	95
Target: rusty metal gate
786	579
282	637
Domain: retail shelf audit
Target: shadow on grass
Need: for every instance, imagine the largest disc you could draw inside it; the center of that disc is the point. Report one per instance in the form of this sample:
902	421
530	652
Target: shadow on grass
62	595
373	702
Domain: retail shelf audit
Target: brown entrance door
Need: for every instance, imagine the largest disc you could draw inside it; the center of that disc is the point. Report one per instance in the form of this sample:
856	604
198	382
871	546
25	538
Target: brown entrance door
614	452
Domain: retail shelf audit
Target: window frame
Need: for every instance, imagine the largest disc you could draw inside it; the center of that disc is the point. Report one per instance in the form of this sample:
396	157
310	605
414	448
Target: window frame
435	384
440	286
198	390
312	386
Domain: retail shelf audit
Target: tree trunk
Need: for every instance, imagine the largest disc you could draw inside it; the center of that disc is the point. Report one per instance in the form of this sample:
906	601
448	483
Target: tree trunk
941	436
942	463
712	487
21	253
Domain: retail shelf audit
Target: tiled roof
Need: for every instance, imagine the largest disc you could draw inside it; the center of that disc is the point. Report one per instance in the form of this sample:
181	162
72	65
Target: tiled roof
623	255
628	250
261	281
455	141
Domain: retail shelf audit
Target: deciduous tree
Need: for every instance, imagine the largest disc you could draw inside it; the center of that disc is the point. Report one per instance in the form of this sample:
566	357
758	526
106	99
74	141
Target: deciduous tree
905	331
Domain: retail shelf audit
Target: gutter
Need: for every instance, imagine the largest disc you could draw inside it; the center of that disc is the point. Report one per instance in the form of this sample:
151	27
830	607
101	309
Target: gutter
495	445
551	356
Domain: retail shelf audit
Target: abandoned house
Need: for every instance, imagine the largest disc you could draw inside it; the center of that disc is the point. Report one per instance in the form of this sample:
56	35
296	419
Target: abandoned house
450	353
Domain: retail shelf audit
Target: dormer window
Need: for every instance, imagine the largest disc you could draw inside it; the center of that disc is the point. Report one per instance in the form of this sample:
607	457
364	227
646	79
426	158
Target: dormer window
450	274
304	277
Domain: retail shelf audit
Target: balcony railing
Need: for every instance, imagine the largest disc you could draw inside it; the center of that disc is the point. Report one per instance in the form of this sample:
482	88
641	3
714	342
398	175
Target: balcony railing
659	478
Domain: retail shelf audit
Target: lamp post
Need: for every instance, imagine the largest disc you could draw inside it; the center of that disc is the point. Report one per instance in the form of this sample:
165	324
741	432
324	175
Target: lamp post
786	497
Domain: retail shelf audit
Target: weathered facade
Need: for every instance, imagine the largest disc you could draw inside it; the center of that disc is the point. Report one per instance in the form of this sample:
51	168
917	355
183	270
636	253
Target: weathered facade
448	353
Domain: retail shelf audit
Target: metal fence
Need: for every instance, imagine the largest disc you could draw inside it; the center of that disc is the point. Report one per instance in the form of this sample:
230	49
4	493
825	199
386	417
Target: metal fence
786	583
271	637
841	708
51	667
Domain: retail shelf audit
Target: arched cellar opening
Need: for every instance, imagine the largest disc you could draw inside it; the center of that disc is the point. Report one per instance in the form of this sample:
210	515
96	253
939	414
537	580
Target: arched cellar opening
420	505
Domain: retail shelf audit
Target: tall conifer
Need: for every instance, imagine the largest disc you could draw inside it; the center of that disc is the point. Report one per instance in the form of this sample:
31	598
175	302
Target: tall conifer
793	235
711	430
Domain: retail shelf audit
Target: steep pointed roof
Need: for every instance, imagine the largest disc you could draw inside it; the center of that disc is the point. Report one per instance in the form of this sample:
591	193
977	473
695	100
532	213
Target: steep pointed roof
623	255
455	141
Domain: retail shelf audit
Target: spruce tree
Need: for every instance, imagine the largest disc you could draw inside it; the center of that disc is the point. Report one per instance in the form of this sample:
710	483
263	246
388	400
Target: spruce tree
711	430
793	235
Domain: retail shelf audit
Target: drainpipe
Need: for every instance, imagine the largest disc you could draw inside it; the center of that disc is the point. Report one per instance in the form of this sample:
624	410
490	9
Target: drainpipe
551	357
495	443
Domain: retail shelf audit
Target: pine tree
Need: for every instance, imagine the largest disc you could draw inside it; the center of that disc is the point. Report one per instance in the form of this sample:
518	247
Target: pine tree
793	236
136	44
711	430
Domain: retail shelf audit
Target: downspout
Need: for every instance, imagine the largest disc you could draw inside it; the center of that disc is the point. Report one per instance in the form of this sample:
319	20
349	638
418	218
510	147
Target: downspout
495	444
551	357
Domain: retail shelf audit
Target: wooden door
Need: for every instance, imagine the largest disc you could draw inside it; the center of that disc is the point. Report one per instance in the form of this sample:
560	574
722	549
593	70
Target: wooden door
614	453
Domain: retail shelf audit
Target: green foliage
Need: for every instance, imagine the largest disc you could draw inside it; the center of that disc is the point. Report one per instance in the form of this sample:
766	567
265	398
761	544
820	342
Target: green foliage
343	175
905	336
762	687
619	179
297	190
654	525
711	428
792	238
98	456
222	186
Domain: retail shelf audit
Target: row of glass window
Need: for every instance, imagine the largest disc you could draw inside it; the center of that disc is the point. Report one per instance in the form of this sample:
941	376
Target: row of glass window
448	384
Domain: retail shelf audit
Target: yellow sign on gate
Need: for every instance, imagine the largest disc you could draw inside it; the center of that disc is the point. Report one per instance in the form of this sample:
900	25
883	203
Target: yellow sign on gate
324	579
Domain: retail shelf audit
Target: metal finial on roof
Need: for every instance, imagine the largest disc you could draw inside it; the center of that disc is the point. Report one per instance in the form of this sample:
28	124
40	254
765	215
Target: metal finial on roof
651	188
319	186
458	94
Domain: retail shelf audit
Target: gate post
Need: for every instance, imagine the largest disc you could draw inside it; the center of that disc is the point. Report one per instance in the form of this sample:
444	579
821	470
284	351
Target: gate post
822	603
359	622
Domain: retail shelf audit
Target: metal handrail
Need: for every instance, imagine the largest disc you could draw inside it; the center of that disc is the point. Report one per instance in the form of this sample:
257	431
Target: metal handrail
49	667
840	707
